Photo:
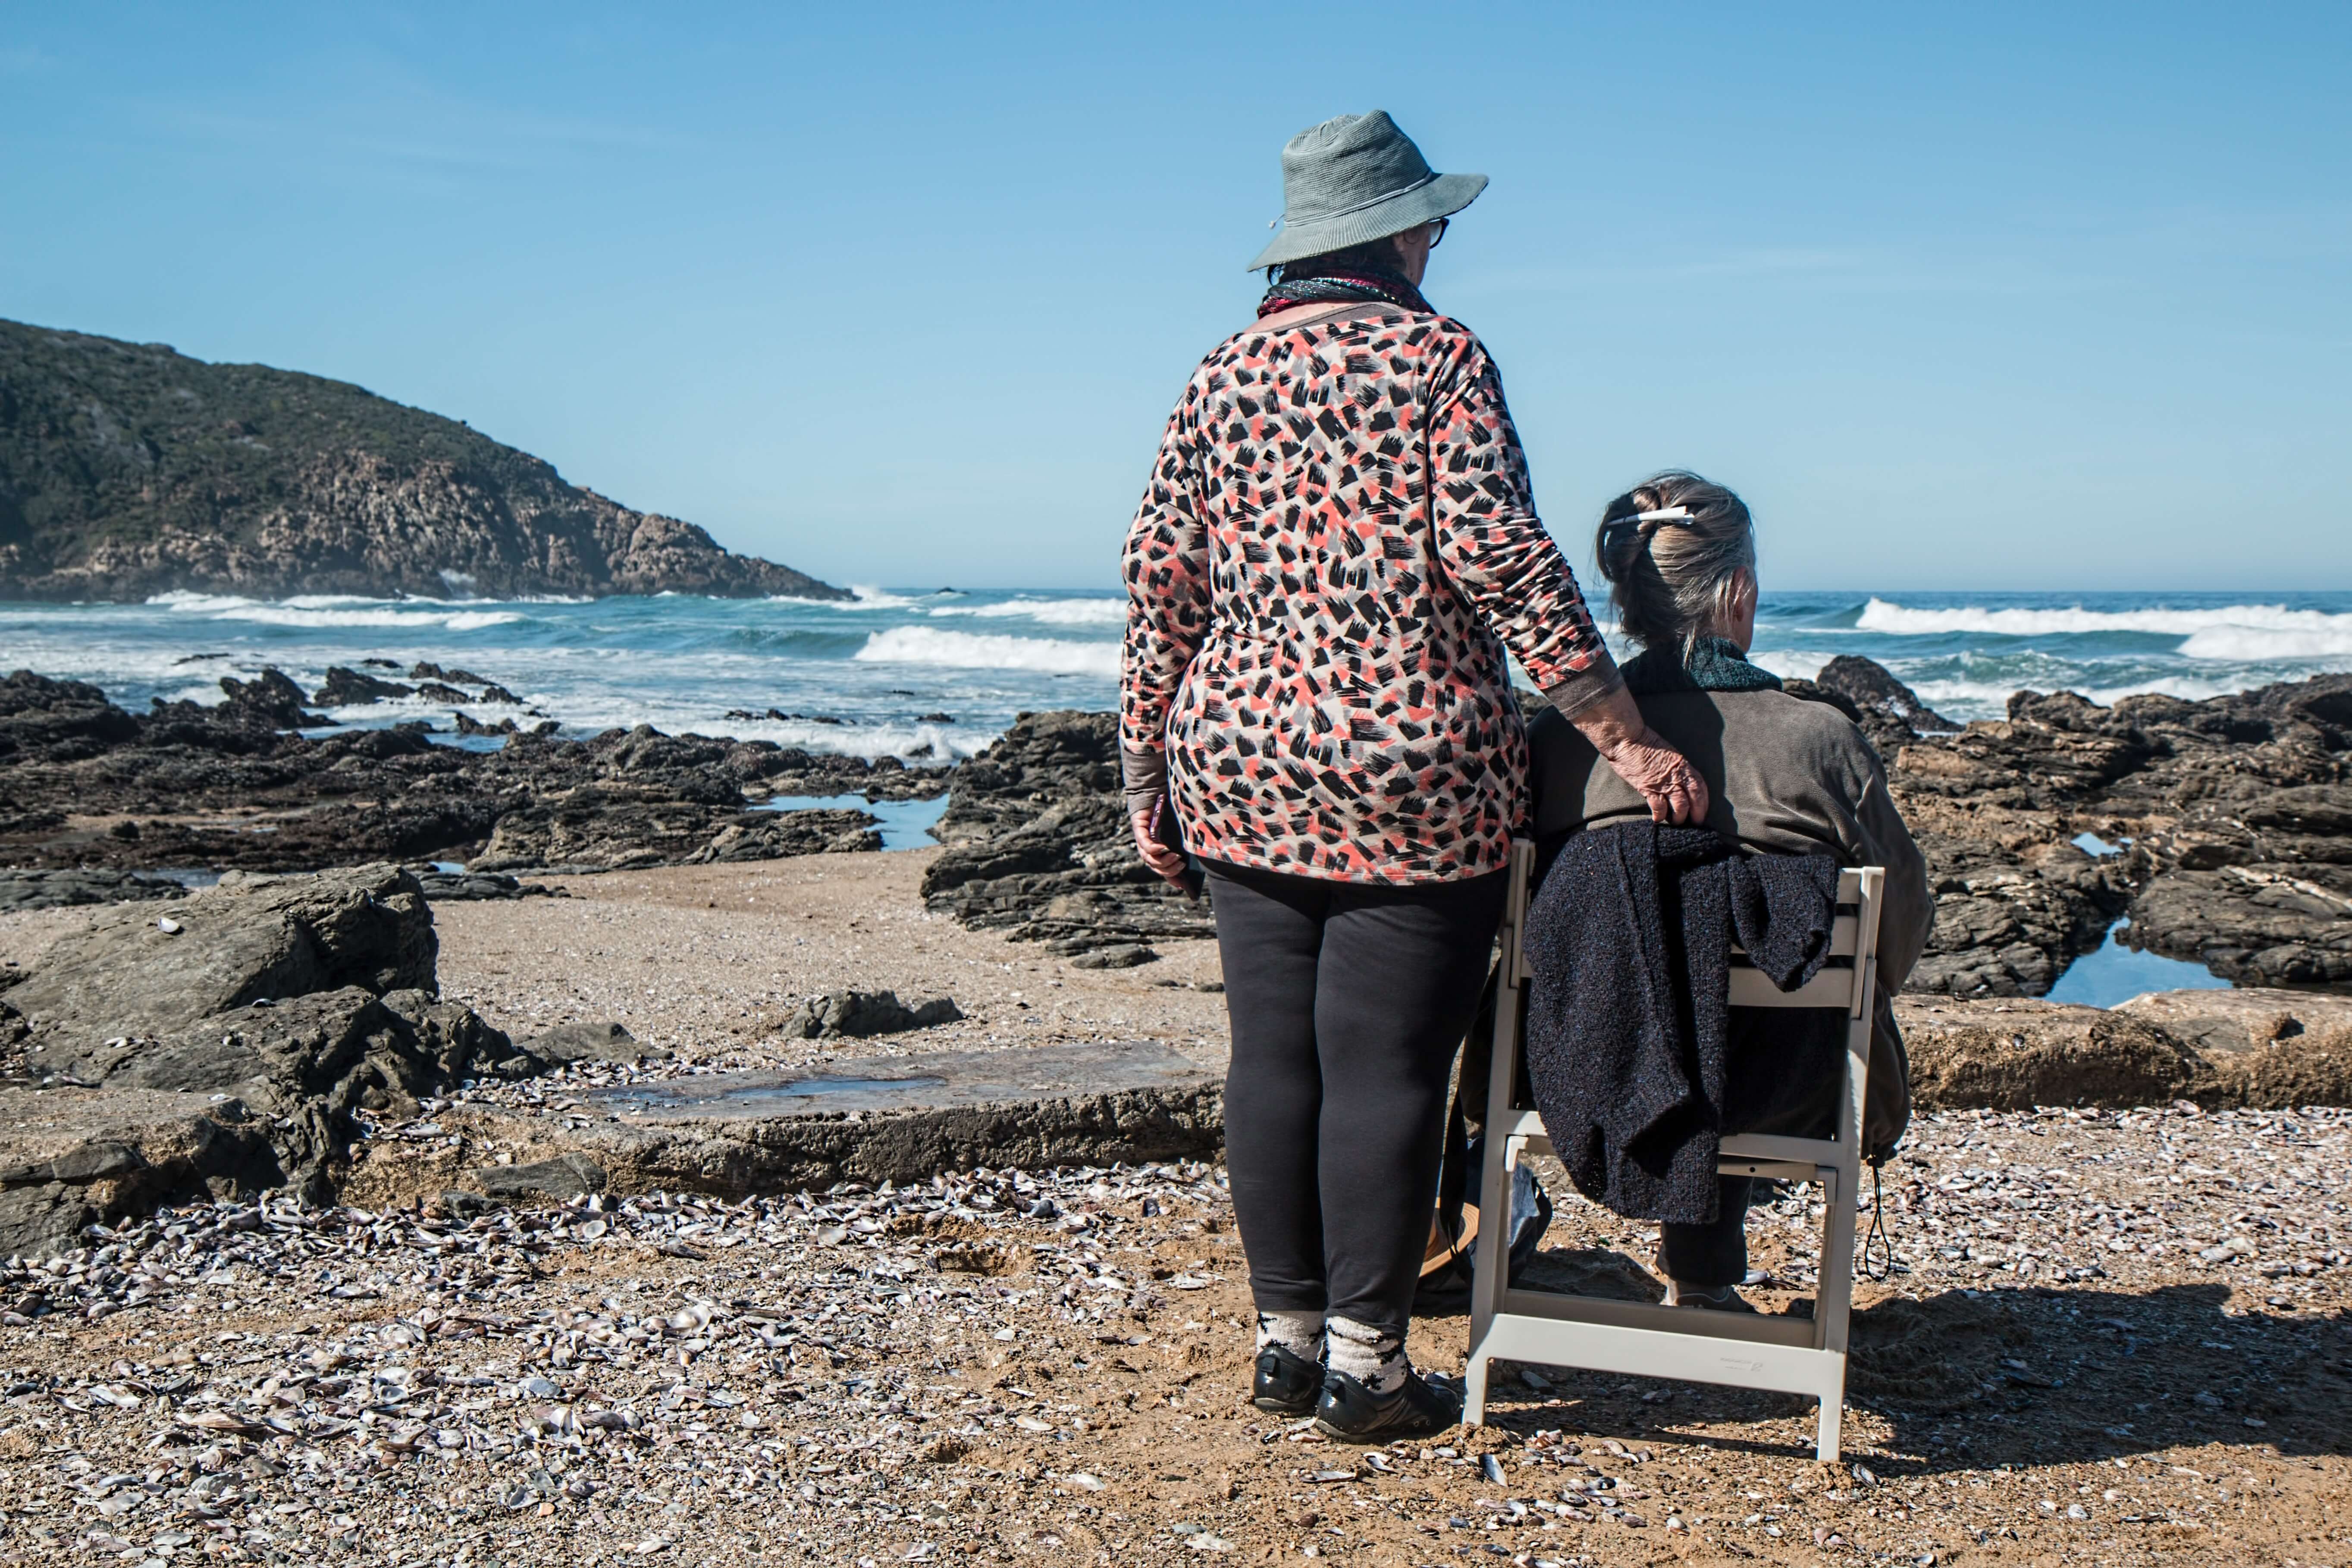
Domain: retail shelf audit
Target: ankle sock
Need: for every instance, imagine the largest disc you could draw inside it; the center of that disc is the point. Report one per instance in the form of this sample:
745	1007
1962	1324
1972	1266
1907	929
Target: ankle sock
1371	1357
1300	1334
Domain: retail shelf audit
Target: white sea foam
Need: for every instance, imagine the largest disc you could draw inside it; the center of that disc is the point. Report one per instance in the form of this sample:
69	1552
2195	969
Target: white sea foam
2242	632
1980	698
870	598
1048	612
979	650
1787	664
336	610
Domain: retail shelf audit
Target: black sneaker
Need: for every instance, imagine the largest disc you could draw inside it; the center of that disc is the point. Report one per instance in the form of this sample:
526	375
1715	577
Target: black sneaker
1722	1298
1286	1382
1354	1413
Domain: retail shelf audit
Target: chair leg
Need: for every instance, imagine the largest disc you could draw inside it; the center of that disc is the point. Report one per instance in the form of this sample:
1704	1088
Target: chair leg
1474	1390
1825	1446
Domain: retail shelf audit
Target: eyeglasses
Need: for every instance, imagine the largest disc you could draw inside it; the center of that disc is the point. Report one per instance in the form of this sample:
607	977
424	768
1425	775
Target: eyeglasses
1439	237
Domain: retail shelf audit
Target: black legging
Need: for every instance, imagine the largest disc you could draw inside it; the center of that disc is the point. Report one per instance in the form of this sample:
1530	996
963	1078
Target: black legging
1348	1002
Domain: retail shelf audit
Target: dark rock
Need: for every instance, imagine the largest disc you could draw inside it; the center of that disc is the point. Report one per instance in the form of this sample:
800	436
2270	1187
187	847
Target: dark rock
41	1222
248	939
860	1013
53	889
270	701
1871	688
565	1176
606	1042
423	670
81	1157
614	827
631	797
1038	843
347	687
493	692
2257	925
456	1040
434	691
462	886
1122	955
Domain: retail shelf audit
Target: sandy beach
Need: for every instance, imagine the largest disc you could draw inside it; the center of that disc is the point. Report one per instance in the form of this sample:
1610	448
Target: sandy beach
705	959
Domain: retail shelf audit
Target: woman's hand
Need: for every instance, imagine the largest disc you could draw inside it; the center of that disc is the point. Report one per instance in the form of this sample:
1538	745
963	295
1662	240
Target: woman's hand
1168	863
1665	777
1644	759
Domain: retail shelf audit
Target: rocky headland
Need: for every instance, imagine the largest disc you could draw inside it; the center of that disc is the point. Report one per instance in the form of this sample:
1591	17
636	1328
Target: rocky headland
127	471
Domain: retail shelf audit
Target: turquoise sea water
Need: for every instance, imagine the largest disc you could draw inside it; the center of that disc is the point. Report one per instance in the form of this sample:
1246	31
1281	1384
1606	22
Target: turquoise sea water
870	677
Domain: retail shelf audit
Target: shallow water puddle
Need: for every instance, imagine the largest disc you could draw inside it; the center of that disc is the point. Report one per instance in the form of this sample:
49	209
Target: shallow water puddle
906	824
2118	973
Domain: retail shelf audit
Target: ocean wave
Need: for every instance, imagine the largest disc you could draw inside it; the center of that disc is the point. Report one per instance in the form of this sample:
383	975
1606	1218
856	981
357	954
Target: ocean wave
1788	664
2242	632
1048	612
981	650
335	610
872	599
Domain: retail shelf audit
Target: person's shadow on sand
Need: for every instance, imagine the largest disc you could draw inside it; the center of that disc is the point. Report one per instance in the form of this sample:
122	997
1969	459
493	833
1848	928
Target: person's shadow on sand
1971	1378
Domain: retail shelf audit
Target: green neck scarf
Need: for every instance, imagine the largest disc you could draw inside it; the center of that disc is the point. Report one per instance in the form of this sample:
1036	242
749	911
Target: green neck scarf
1714	665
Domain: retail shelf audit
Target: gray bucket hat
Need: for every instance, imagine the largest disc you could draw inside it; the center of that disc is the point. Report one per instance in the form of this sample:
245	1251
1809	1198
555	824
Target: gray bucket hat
1354	179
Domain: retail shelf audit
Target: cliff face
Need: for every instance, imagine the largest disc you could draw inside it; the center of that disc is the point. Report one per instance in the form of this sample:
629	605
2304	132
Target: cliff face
127	470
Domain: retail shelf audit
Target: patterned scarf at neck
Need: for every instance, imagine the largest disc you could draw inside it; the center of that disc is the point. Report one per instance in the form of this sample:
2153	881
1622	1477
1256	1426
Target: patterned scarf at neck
1382	286
1713	664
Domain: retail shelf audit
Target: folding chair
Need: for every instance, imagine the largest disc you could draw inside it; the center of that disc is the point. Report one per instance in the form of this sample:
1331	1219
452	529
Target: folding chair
1645	1339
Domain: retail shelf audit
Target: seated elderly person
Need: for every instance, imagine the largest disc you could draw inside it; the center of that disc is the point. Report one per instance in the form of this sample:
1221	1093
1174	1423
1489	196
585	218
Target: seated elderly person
1785	775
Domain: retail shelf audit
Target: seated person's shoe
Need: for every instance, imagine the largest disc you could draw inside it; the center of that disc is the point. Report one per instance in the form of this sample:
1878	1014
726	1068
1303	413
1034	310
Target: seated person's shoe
1287	1384
1721	1298
1354	1413
1531	1217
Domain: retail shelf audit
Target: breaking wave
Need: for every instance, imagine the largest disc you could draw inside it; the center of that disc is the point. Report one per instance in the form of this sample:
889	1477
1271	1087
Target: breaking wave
1048	612
2235	632
981	650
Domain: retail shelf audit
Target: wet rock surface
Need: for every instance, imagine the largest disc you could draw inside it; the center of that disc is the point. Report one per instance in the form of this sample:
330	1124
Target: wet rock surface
857	1015
91	787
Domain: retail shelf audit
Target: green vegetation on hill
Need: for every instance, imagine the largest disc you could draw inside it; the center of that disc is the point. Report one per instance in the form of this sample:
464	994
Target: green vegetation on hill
128	470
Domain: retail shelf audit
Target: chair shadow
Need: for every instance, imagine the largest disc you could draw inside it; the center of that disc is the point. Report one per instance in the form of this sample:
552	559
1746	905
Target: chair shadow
1968	1378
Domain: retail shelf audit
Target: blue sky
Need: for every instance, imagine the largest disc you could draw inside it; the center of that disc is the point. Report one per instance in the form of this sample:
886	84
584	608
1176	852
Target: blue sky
2001	296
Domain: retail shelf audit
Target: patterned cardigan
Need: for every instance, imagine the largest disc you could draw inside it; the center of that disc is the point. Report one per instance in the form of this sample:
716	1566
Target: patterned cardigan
1337	527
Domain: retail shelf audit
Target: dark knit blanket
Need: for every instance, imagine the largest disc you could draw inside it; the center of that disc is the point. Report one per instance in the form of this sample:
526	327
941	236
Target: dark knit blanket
1628	940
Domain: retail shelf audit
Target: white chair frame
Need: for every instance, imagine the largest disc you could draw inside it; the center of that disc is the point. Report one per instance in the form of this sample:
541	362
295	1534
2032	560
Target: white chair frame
1643	1339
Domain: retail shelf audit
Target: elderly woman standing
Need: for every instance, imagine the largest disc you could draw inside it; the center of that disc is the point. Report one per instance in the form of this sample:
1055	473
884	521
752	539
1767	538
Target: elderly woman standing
1335	546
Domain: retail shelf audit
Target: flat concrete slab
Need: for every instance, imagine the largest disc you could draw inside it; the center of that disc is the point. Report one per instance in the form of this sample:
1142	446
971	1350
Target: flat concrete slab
891	1085
902	1118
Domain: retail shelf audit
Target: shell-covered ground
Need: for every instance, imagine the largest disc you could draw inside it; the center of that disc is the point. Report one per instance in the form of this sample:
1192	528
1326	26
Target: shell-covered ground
2115	1339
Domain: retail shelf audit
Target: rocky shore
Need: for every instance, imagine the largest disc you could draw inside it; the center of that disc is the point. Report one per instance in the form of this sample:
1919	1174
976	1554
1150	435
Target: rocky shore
564	1283
88	788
